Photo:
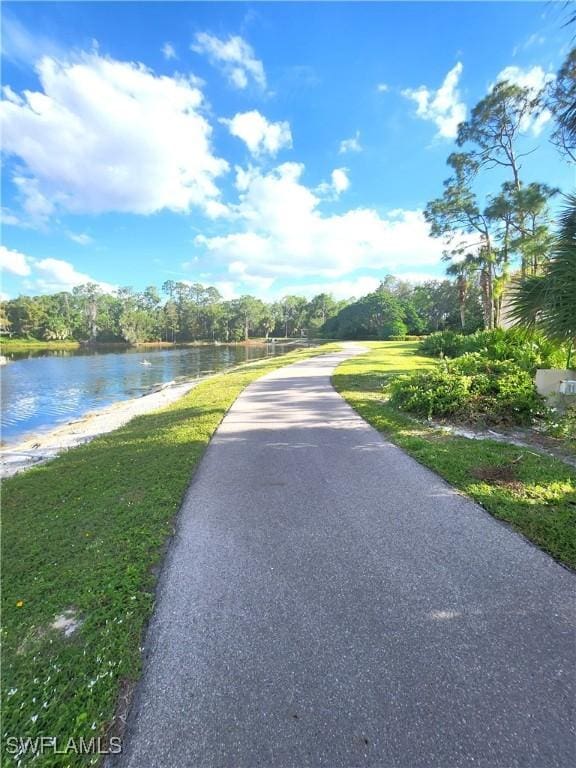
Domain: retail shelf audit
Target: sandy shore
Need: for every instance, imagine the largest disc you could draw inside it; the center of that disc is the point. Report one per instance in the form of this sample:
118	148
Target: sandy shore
46	445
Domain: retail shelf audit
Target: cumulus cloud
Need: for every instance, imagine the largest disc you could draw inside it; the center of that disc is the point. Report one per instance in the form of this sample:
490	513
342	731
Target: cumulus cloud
56	275
46	275
14	262
442	107
382	87
104	135
281	232
234	56
535	79
259	135
350	145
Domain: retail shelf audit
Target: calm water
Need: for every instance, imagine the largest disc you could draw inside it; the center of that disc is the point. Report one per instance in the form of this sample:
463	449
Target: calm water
42	390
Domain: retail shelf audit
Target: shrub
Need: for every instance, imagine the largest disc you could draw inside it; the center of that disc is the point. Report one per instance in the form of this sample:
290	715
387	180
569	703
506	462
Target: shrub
393	327
470	388
443	344
528	351
563	426
436	392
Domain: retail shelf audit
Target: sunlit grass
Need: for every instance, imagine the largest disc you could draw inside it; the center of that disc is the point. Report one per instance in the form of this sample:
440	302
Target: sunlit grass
541	501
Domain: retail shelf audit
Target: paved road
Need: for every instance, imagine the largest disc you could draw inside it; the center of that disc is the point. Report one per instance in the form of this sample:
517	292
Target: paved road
328	602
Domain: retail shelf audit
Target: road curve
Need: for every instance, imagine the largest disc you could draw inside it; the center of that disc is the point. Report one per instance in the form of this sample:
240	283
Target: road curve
329	602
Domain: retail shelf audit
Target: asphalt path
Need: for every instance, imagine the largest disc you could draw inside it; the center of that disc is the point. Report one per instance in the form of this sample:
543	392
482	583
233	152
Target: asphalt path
329	602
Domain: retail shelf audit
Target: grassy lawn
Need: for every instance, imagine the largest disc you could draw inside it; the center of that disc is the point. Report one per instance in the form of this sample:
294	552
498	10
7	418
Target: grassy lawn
85	534
533	493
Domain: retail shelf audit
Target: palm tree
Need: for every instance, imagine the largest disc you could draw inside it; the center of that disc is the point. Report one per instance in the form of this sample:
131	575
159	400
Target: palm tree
548	300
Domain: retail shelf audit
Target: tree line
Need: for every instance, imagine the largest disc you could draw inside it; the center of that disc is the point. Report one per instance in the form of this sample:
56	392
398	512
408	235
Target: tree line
182	312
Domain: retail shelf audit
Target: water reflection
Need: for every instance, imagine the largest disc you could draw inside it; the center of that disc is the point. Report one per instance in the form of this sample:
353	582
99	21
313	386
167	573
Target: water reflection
41	389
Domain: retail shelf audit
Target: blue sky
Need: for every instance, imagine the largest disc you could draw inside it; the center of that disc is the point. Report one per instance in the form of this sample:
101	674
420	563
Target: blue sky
264	148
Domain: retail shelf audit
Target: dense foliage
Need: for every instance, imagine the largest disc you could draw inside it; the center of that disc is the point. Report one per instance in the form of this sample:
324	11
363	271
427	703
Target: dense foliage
471	388
529	351
184	312
398	309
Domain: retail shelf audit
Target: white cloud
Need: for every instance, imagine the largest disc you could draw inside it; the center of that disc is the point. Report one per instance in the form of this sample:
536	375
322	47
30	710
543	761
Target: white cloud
235	56
382	88
226	288
241	273
282	233
259	135
14	262
47	275
340	180
443	107
56	275
535	79
340	289
169	52
80	238
351	145
105	135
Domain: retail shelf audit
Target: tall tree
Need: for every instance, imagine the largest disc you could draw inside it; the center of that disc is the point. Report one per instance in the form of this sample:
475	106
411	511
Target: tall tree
251	311
495	125
458	218
561	102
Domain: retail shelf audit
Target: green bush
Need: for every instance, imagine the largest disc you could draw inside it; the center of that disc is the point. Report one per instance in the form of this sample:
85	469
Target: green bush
528	351
563	426
471	388
393	327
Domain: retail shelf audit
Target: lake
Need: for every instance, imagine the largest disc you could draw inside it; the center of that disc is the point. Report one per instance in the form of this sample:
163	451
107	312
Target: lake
42	389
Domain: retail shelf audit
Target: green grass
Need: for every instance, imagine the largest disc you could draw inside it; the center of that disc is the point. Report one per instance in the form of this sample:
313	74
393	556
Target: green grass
22	345
86	533
539	500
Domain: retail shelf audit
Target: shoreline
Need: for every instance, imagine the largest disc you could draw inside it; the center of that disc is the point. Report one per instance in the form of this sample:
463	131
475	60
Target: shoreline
24	345
41	447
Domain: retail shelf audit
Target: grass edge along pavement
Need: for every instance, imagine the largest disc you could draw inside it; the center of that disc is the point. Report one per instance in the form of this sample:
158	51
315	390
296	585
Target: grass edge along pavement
533	493
83	540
